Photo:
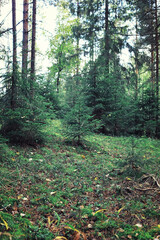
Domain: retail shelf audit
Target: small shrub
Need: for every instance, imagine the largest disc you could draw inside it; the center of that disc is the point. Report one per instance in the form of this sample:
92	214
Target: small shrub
22	127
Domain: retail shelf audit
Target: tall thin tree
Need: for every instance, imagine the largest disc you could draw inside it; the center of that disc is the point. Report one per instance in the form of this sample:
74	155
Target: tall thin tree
157	66
106	36
25	41
78	39
33	49
14	74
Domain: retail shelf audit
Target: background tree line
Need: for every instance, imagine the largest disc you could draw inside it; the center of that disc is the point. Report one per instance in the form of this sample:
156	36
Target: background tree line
87	86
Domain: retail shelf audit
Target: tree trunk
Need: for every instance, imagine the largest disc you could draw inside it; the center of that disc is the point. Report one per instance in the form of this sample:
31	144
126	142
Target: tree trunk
58	80
136	64
78	36
106	36
136	77
157	67
14	74
152	49
25	42
33	47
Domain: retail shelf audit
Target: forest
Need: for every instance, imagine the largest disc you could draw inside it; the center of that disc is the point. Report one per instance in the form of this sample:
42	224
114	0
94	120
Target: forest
79	121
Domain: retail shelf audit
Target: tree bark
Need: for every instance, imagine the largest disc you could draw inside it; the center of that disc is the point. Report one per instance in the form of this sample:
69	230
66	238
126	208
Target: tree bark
78	36
157	67
14	73
25	42
33	50
152	50
106	36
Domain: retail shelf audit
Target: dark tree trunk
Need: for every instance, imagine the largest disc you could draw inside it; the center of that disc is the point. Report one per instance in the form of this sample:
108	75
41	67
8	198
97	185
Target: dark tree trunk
78	37
33	51
25	42
14	74
152	50
60	68
136	64
58	80
136	78
152	66
106	36
157	67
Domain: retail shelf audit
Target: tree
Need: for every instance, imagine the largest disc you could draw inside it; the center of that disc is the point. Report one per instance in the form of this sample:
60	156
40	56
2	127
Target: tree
25	43
33	47
77	118
14	74
157	68
147	17
106	37
62	47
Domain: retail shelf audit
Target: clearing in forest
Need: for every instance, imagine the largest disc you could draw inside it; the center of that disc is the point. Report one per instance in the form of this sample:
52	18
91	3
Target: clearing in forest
108	188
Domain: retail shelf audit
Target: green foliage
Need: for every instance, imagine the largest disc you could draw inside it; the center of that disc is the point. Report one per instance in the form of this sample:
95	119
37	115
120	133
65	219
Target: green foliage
49	97
147	113
21	227
24	125
78	119
20	128
48	188
5	152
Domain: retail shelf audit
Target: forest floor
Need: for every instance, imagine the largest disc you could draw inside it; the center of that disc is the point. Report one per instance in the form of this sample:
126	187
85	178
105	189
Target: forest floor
109	188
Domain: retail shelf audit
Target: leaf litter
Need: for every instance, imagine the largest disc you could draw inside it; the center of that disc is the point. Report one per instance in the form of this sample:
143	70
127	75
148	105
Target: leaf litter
80	195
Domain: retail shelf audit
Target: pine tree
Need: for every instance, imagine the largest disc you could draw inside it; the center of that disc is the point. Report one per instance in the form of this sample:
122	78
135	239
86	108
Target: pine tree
33	50
15	69
77	118
25	44
23	119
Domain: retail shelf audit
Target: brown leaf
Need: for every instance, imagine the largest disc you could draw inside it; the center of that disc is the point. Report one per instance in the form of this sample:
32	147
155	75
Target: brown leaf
77	236
84	236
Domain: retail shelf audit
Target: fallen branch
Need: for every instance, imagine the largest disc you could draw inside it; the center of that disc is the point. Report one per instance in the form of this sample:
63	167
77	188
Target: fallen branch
146	177
147	189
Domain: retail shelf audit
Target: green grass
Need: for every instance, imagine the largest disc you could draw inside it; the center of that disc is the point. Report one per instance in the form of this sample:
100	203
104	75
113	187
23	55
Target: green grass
62	190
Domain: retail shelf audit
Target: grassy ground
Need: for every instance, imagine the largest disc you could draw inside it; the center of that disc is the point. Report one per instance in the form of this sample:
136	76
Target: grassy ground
107	189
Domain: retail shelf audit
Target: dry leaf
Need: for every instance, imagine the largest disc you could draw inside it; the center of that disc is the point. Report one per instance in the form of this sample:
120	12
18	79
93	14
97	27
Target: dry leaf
139	225
121	230
52	193
22	214
77	236
90	226
20	196
81	207
48	180
5	223
128	179
120	209
60	238
25	199
157	238
101	210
